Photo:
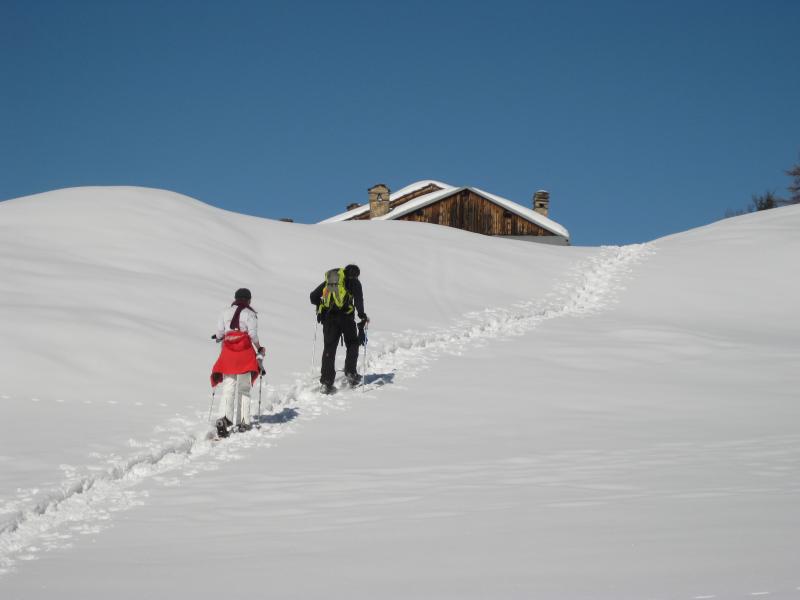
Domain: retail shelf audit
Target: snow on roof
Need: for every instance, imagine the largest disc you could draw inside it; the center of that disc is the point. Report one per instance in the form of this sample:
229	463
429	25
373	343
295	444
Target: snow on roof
417	185
447	190
526	213
419	202
346	216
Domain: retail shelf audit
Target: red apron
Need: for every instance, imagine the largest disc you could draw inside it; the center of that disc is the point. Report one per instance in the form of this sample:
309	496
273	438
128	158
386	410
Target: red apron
237	356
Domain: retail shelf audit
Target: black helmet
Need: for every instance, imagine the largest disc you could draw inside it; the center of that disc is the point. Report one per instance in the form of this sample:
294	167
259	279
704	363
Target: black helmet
242	294
352	271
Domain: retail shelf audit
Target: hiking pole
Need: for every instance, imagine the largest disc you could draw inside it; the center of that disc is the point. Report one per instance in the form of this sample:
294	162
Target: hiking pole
314	348
213	391
260	387
366	339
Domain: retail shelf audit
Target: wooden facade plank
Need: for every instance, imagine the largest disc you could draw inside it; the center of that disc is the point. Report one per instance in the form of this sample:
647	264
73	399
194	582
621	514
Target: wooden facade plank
471	212
465	209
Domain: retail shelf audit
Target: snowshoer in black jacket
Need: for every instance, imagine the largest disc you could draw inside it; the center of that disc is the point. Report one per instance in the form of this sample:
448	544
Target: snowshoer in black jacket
338	299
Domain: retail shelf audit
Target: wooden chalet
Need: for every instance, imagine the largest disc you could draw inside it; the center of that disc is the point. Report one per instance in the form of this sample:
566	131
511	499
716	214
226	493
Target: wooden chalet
467	208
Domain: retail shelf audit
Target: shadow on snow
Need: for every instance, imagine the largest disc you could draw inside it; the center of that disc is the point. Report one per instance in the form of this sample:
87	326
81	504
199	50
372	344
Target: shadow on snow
286	415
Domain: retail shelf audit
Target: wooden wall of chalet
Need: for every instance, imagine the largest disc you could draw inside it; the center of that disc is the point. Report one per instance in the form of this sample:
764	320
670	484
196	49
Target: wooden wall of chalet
469	211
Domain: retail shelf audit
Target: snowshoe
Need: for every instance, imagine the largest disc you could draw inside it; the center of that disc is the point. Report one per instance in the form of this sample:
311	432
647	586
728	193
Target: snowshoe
353	379
222	427
327	388
244	427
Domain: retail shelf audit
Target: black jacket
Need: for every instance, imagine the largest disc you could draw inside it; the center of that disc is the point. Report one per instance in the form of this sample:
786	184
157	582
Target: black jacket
353	286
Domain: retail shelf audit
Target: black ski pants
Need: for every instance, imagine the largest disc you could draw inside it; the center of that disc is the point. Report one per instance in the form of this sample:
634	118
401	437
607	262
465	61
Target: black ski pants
334	327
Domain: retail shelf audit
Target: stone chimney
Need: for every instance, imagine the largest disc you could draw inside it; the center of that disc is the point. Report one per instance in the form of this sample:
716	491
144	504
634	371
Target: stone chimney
353	205
541	202
378	200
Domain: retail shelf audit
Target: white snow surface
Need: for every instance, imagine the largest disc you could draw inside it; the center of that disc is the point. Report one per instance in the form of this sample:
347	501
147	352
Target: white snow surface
538	421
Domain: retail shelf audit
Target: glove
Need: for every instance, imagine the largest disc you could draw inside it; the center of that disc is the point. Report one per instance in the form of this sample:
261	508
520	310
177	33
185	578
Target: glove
362	335
262	350
364	318
320	318
261	369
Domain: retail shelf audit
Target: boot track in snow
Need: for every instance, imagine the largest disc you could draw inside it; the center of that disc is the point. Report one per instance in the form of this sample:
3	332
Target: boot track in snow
84	504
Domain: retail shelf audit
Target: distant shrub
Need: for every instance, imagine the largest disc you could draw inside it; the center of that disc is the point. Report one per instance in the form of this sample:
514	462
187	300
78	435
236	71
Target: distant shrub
735	213
758	202
794	187
770	199
764	201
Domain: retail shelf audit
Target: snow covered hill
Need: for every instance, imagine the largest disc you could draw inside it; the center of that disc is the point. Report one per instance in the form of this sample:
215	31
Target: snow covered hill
549	421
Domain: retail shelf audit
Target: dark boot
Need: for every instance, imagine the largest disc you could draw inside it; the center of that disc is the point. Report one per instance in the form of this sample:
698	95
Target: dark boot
222	427
353	378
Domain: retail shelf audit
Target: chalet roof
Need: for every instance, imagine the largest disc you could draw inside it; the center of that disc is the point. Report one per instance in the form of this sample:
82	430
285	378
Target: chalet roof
364	208
445	191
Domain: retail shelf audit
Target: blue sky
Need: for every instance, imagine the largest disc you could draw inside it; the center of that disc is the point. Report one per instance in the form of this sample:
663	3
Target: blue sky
641	118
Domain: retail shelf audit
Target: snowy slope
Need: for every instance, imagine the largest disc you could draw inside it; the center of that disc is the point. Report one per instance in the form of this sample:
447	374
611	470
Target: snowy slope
552	422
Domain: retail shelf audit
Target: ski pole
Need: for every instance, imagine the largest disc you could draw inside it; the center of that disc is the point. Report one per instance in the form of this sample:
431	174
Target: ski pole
260	387
314	348
366	339
213	391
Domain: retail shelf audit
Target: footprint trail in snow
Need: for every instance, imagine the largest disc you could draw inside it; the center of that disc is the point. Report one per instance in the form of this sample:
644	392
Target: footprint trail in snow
85	501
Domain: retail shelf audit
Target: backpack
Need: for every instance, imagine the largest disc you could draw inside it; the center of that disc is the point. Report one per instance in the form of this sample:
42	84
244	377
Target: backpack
335	296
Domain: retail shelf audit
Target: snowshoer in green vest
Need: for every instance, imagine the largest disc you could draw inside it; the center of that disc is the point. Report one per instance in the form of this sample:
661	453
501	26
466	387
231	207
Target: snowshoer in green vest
338	299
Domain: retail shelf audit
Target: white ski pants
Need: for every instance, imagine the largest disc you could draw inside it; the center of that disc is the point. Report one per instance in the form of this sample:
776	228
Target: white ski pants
234	402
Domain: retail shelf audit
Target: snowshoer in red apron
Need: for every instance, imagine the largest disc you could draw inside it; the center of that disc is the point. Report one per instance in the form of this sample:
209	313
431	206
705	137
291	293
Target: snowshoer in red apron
237	366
